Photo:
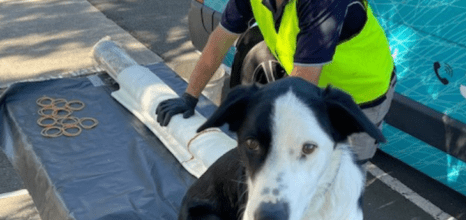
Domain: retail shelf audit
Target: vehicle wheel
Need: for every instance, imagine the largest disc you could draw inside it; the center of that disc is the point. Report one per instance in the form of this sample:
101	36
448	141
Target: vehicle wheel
253	61
260	66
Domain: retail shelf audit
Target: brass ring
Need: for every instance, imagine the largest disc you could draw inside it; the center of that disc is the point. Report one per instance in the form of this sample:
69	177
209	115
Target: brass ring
75	122
39	121
57	110
71	134
64	122
88	126
42	104
45	133
54	103
42	113
68	105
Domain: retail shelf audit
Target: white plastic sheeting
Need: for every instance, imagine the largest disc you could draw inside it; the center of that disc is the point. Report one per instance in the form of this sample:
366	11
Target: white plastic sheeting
141	91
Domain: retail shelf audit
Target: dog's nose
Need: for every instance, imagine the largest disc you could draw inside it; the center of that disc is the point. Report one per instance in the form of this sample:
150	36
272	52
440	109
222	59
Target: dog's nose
272	211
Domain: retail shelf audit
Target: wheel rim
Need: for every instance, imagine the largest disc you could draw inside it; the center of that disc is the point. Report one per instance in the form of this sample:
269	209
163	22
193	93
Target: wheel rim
267	72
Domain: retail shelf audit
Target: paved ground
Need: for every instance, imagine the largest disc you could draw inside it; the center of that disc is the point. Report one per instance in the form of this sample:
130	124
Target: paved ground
18	205
43	38
162	26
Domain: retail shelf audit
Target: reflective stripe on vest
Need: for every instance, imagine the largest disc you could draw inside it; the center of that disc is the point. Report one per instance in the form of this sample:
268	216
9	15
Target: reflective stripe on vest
361	66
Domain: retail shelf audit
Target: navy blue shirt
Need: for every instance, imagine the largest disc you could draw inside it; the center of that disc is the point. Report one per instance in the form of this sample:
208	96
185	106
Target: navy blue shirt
323	24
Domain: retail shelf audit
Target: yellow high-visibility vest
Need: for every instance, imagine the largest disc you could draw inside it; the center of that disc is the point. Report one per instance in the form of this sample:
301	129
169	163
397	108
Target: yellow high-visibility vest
361	66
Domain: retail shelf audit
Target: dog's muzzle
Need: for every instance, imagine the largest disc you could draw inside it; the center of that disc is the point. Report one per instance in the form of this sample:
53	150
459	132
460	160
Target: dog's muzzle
272	211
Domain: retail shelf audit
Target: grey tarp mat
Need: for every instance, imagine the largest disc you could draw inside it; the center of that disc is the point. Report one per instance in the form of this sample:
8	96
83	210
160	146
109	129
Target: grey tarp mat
118	170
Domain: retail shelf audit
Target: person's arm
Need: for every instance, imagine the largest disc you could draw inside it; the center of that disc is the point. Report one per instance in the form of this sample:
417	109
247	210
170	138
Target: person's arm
220	40
217	46
234	21
309	73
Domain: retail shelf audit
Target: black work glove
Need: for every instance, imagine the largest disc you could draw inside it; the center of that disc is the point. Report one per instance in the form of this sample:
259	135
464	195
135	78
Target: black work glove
170	107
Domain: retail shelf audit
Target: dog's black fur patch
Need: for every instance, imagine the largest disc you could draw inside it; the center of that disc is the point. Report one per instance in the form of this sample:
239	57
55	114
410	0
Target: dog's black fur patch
223	196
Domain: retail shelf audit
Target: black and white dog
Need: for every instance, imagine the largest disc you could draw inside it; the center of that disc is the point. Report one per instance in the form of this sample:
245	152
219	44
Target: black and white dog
292	160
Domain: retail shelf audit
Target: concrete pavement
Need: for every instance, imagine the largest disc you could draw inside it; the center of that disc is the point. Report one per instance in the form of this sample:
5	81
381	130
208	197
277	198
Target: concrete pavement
162	26
48	38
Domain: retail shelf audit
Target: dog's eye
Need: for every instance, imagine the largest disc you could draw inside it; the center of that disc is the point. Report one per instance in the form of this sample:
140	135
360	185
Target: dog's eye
308	148
252	144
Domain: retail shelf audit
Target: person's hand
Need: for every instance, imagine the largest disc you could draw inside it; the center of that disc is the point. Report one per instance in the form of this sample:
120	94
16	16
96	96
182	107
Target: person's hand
168	108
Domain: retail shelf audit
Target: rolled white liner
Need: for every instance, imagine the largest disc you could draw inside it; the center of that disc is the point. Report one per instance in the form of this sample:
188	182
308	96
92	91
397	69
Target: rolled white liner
141	91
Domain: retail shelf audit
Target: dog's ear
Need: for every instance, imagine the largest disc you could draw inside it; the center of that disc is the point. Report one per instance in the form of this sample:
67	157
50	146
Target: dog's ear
346	116
232	110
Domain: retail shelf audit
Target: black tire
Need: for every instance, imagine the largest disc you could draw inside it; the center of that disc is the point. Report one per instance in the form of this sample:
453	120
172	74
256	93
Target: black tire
260	66
253	62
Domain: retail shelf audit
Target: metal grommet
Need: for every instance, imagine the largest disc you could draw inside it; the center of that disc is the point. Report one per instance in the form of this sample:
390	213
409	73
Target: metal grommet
56	101
41	119
88	126
45	131
71	134
56	112
41	100
62	122
69	103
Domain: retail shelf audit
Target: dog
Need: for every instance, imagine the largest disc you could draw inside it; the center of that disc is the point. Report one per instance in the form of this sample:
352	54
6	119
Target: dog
293	160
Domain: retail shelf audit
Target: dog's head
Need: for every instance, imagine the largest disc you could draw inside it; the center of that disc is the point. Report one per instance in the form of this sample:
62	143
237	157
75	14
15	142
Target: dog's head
287	131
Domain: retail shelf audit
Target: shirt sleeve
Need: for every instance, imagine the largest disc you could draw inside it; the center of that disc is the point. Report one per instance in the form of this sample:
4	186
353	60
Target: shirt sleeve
236	16
320	24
